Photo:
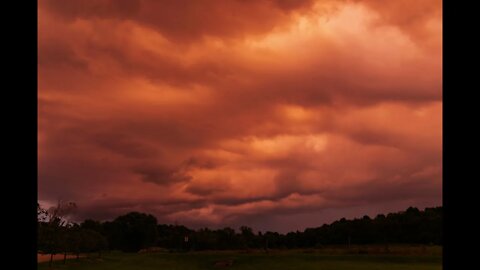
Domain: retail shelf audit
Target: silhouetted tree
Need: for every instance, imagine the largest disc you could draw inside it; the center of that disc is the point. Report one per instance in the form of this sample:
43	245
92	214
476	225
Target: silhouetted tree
132	232
53	228
135	231
247	236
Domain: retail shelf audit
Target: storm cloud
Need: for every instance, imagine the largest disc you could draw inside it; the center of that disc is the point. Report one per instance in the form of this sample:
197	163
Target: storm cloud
275	114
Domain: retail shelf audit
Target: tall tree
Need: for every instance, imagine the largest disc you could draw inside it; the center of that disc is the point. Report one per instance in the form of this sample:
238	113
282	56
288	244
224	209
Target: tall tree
53	227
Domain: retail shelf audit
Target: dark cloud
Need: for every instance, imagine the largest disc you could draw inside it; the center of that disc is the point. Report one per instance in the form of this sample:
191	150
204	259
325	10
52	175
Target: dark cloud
183	19
205	190
124	145
60	56
122	9
196	162
161	175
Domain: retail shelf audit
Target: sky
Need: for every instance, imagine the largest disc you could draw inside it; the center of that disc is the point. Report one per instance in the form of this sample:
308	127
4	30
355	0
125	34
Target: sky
278	115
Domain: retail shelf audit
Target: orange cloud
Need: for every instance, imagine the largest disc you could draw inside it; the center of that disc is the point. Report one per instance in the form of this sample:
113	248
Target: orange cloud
254	112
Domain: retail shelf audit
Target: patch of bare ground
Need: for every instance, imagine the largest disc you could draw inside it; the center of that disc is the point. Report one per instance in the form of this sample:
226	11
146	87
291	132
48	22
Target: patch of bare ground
223	263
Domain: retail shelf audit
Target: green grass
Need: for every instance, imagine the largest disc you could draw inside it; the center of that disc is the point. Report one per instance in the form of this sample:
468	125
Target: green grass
281	260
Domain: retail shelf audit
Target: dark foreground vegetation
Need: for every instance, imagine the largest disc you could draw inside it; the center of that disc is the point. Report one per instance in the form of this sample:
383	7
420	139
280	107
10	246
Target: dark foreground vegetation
135	231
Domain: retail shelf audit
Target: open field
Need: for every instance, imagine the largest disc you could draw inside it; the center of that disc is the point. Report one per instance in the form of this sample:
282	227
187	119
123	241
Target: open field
326	259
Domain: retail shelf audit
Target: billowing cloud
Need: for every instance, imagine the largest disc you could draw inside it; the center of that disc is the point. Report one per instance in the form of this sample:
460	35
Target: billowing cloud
275	114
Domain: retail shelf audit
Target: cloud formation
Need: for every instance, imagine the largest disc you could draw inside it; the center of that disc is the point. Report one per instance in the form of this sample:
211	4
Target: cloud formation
275	114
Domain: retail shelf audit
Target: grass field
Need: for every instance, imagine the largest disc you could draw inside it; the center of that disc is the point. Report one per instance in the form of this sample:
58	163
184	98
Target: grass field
295	259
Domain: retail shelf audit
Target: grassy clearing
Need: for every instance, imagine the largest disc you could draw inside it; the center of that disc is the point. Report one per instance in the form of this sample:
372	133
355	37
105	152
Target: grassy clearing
282	260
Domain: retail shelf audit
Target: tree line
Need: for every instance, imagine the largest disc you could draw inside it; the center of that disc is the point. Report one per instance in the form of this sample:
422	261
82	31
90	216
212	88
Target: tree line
135	231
